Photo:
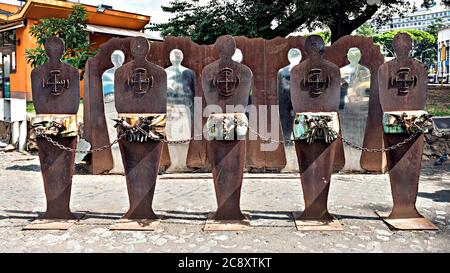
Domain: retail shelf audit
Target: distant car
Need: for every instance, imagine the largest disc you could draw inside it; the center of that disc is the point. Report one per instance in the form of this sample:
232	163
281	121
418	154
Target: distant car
432	78
442	78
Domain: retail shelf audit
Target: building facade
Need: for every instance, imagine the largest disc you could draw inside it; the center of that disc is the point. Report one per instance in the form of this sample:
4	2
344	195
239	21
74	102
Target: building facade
15	22
443	58
419	20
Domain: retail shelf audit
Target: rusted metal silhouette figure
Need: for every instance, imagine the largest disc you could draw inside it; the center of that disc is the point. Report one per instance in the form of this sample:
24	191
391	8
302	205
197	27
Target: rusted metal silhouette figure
315	87
226	82
140	89
403	87
56	93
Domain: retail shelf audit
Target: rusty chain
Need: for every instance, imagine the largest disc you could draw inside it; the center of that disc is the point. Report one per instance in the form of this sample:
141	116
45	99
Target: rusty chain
62	147
346	141
264	139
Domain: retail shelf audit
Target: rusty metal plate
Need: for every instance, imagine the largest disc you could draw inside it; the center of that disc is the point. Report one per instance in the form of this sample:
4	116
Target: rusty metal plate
227	83
95	129
315	87
136	225
42	224
141	87
371	58
317	225
227	225
56	90
407	223
53	224
403	163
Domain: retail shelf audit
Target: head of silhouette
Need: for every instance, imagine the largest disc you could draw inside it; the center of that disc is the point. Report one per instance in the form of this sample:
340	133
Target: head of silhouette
315	46
176	57
354	55
139	48
402	45
237	56
54	48
117	58
294	56
225	46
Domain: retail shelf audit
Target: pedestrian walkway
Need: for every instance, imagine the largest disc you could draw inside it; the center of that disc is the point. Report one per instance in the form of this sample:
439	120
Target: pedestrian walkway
185	200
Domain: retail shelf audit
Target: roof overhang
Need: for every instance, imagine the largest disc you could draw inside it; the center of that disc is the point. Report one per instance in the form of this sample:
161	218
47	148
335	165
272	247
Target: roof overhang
121	32
12	26
38	9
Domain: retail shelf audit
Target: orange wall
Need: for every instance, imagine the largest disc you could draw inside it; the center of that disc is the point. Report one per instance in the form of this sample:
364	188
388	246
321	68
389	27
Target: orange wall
21	79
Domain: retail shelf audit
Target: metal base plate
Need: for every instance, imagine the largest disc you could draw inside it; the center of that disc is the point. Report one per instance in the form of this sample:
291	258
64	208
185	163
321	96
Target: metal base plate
407	223
138	224
317	225
227	225
53	224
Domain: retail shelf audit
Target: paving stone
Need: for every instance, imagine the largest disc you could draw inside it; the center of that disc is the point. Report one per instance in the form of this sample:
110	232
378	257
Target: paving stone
352	197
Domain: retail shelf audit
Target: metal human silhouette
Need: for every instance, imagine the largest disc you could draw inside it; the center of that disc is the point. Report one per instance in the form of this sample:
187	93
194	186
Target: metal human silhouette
56	98
227	83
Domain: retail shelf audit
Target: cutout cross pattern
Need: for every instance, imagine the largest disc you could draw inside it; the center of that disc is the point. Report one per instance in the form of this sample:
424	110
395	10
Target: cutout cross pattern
404	81
140	82
227	82
315	82
56	83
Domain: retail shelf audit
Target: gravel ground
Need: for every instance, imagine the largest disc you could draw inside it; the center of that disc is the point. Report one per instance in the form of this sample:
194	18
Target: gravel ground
185	200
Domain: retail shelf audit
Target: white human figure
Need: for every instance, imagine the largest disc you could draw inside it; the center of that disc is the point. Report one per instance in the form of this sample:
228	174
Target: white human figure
237	57
354	106
285	107
180	97
356	76
117	58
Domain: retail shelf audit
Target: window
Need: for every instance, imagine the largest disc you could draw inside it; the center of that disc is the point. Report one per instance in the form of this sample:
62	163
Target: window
8	38
8	49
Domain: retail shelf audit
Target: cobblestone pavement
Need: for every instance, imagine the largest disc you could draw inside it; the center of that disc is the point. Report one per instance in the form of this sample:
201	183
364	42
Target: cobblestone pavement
186	199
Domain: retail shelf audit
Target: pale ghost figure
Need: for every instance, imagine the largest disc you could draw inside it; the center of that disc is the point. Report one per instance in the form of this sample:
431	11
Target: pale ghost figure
286	111
180	109
284	94
354	106
117	58
237	57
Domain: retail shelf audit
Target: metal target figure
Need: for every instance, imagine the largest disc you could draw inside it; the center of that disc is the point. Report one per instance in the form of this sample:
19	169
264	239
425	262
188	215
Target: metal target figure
227	83
140	89
56	103
315	93
403	91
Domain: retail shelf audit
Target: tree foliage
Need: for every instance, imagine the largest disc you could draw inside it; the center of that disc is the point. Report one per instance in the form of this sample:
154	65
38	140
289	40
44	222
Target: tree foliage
424	44
365	30
78	49
269	19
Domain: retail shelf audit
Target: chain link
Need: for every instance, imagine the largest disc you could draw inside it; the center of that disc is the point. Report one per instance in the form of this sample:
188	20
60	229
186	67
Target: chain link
374	150
347	142
62	147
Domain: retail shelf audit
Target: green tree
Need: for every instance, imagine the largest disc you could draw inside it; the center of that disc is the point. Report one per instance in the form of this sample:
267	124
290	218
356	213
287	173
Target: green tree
365	30
269	19
437	25
424	44
71	31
